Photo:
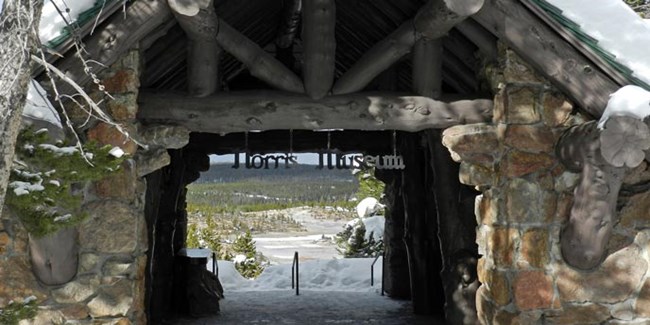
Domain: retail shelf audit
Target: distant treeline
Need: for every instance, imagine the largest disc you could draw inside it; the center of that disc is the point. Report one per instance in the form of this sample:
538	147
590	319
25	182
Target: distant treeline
223	173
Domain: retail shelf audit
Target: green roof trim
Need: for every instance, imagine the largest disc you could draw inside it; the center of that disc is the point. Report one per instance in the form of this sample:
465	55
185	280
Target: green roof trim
83	18
557	14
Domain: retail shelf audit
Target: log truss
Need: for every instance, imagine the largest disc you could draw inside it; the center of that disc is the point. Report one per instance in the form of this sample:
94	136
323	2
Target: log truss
200	21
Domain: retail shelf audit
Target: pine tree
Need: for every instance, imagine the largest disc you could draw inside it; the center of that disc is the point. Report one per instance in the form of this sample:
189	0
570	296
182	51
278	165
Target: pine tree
244	245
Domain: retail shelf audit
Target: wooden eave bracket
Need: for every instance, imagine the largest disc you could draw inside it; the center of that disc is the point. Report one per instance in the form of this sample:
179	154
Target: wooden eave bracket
602	159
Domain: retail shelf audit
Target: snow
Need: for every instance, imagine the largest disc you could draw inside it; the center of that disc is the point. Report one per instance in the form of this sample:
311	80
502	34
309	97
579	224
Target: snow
629	101
368	207
341	275
116	152
22	188
375	226
38	106
51	21
616	27
60	151
63	218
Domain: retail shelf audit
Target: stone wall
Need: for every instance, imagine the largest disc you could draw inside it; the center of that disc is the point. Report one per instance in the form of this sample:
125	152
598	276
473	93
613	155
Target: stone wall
526	198
109	287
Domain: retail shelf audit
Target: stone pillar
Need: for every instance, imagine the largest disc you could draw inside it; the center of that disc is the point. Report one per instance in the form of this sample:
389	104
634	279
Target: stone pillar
526	198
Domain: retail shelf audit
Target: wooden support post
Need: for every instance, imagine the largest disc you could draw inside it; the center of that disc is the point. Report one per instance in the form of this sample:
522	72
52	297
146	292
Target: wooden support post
244	111
602	159
203	50
456	233
427	68
426	292
433	21
486	42
319	46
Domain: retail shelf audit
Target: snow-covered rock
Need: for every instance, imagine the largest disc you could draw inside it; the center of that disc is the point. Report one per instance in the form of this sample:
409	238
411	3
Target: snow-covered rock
632	101
368	207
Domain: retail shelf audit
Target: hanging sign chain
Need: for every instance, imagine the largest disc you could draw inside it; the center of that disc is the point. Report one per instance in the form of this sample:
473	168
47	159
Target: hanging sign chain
394	143
291	142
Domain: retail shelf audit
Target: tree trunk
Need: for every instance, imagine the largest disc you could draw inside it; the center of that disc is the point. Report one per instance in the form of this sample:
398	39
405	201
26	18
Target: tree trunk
18	21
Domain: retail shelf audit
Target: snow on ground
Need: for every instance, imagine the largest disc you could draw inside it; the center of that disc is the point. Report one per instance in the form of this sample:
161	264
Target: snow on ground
349	275
616	27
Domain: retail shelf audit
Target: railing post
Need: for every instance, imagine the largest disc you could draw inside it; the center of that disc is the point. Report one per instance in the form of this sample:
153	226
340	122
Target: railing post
295	273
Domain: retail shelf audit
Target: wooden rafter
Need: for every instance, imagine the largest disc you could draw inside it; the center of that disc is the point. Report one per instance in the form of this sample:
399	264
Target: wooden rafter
432	21
245	111
261	64
319	46
539	45
427	68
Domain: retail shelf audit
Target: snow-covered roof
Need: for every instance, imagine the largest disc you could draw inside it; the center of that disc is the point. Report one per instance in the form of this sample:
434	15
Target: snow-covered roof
57	14
612	28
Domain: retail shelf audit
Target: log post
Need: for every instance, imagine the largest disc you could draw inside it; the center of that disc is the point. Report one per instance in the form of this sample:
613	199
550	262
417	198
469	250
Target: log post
244	111
437	17
291	14
427	67
203	50
319	46
602	159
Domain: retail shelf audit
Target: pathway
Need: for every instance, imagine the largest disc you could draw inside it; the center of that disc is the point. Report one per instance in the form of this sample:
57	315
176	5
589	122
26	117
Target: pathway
311	308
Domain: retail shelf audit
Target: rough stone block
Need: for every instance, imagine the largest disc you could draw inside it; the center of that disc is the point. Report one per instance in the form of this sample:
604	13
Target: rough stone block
121	81
535	247
504	317
498	287
118	267
107	134
477	175
123	107
473	143
487	208
168	137
148	161
518	163
642	306
580	314
47	317
614	281
112	228
636	213
75	312
530	138
484	307
112	301
523	201
119	185
521	105
76	291
18	280
533	290
5	242
88	262
516	70
499	114
501	243
557	109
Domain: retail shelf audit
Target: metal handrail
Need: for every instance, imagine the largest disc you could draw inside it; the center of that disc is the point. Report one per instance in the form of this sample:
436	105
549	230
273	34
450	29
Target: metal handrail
215	265
295	274
372	272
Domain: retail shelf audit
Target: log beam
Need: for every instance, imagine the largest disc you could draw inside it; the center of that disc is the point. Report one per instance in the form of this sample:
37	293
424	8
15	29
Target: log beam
432	21
204	52
602	158
245	111
550	55
319	46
